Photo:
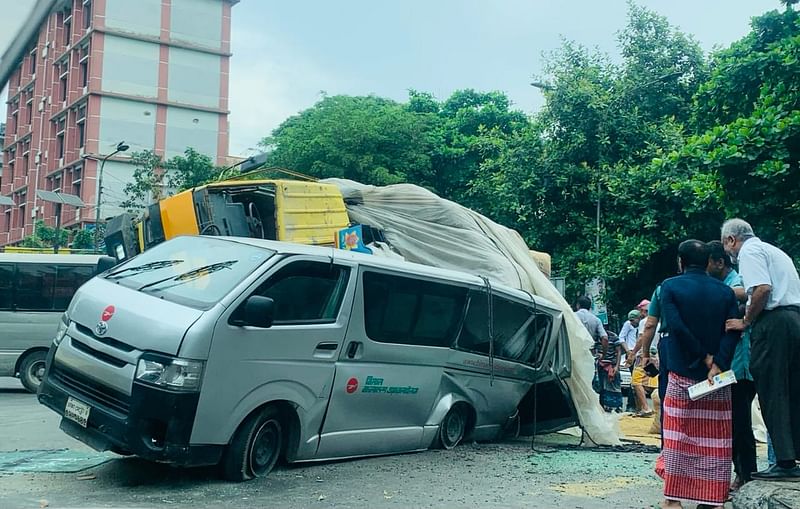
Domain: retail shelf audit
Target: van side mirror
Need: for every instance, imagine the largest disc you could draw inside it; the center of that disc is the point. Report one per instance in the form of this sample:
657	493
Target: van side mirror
259	311
105	263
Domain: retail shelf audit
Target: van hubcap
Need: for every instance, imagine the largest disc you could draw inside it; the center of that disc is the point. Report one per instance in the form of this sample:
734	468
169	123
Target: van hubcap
37	371
454	428
266	447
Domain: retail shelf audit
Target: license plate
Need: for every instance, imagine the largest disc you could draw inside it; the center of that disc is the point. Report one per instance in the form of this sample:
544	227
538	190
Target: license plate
77	411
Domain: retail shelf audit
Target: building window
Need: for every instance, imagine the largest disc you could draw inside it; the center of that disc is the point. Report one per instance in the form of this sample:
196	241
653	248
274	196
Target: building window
63	74
21	218
67	30
63	84
29	112
80	122
81	135
14	122
87	14
32	66
76	181
84	65
11	172
57	183
61	127
85	73
25	161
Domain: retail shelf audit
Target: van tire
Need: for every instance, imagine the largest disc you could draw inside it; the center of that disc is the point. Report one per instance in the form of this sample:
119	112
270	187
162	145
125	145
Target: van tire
453	427
256	446
31	369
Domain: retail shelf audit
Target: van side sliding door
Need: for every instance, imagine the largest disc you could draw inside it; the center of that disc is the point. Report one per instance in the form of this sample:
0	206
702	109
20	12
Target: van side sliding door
389	373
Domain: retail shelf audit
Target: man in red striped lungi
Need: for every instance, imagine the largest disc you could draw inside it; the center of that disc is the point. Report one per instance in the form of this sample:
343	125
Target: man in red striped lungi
697	434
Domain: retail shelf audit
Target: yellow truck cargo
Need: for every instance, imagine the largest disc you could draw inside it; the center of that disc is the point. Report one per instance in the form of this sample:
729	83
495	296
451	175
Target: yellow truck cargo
305	212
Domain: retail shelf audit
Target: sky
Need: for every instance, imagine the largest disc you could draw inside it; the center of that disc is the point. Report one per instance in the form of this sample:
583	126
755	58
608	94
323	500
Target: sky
287	54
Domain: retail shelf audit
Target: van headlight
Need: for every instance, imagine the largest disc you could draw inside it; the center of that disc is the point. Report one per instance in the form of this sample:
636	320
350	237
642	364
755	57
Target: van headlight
61	332
170	372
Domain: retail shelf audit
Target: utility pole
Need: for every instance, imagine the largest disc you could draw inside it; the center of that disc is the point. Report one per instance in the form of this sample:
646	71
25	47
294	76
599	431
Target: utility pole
121	147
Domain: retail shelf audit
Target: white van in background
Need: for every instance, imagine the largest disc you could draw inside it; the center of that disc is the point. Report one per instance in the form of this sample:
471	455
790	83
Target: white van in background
35	289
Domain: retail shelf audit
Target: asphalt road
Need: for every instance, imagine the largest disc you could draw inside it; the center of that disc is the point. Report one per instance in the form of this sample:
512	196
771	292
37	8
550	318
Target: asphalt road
508	474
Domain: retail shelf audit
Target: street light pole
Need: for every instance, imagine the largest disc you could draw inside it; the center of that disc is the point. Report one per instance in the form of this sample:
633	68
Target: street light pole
121	147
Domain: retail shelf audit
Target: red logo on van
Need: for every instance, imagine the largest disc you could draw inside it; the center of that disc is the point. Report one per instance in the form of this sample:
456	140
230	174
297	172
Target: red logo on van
108	312
352	385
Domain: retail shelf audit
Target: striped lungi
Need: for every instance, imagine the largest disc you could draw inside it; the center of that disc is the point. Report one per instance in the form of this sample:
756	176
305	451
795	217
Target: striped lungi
697	444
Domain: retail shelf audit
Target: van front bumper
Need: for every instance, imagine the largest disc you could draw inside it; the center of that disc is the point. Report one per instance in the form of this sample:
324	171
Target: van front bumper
152	423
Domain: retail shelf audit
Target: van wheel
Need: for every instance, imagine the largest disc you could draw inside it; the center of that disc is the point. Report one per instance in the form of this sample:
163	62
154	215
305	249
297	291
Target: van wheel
453	427
31	370
255	447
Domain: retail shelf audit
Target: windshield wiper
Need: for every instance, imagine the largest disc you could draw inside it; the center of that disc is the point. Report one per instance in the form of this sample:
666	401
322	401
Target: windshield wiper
191	275
147	267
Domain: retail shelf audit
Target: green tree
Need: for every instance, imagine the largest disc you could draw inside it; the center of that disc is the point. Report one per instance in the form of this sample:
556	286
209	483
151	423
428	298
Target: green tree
45	236
378	141
600	126
83	239
154	178
367	139
459	124
744	160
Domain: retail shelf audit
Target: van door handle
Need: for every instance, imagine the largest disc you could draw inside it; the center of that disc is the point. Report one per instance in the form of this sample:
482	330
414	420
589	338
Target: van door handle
352	349
328	345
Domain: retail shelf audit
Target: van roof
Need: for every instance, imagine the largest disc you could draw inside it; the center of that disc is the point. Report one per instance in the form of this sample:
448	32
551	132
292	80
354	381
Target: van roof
49	258
386	263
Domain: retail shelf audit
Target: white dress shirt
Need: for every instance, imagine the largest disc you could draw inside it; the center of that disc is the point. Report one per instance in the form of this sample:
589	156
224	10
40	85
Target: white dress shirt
764	264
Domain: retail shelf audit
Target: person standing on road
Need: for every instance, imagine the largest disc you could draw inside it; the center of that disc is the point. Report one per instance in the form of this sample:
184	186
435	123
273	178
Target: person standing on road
697	434
643	308
743	391
593	325
607	356
773	285
628	336
654	325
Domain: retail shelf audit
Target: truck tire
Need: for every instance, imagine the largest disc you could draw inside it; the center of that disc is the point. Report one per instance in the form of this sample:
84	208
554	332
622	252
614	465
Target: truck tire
256	446
31	369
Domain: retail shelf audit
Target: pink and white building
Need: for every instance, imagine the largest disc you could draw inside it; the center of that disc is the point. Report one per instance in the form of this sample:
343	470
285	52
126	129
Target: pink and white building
152	73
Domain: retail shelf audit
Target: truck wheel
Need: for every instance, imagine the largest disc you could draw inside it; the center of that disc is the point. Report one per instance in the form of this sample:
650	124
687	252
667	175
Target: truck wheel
255	447
453	427
31	370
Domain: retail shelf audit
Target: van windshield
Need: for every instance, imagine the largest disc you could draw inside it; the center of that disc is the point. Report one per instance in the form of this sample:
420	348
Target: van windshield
194	271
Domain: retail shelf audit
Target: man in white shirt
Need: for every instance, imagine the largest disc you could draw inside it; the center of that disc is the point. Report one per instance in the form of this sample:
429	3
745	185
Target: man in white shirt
773	285
593	325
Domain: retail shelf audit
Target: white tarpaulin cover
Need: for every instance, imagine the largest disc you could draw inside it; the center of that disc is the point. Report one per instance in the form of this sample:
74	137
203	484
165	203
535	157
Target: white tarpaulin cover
426	229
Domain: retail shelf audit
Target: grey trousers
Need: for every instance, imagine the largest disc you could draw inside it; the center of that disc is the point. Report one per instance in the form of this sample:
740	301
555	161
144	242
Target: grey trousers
775	364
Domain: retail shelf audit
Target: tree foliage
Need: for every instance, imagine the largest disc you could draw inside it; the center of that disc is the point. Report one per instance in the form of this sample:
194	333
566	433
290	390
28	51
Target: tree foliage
368	139
667	140
154	178
45	236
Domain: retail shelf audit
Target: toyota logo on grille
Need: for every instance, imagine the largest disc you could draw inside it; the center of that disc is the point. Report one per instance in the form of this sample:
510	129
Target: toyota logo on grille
101	328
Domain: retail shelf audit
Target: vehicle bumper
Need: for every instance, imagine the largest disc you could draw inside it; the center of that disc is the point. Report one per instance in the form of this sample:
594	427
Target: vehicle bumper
156	425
